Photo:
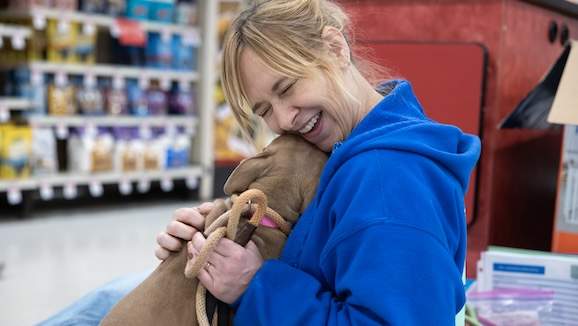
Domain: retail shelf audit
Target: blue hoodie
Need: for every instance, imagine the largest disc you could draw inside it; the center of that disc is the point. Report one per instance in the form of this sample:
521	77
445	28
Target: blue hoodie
384	240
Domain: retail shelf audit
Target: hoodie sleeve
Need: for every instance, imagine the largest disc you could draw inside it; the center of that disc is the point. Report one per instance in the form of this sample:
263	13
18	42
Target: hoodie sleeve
371	287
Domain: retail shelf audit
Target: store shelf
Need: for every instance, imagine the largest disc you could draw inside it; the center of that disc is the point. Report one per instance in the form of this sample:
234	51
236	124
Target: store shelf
75	179
114	71
14	31
113	121
14	103
39	16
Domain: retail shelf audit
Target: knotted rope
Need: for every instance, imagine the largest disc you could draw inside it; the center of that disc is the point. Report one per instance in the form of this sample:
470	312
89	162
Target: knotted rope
252	199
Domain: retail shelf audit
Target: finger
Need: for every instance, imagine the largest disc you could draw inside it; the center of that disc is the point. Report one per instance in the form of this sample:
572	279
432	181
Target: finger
191	251
168	242
162	253
228	248
251	246
206	279
205	208
198	241
216	260
181	230
190	216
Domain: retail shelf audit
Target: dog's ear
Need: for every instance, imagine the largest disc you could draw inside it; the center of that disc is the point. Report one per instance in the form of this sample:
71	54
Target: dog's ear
246	173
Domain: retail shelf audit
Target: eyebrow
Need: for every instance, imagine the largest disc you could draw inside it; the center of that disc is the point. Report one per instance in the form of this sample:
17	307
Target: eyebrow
273	90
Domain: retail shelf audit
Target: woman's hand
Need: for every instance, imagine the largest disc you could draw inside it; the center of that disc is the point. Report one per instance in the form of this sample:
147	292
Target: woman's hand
230	267
186	222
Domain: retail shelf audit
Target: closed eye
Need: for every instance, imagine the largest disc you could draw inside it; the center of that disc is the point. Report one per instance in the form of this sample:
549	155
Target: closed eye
264	112
288	88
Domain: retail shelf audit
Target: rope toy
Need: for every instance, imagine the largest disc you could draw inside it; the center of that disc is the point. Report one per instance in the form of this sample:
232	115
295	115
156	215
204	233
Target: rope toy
226	225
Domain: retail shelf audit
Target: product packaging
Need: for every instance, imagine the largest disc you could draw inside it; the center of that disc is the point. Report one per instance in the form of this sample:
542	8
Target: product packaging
15	151
512	307
44	157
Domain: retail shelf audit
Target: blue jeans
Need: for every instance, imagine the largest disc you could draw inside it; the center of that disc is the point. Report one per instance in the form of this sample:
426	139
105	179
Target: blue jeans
91	308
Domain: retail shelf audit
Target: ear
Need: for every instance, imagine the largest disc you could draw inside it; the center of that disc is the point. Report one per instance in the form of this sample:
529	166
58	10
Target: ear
337	45
247	172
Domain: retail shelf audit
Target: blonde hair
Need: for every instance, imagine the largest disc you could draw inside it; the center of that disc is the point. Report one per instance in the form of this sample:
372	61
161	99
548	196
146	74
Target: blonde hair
287	36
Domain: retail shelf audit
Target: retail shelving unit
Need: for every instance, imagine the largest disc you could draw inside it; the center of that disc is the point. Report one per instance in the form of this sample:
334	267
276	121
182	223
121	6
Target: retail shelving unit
199	174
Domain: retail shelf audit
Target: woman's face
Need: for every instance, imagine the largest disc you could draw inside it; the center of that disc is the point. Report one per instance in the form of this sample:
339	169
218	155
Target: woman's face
302	106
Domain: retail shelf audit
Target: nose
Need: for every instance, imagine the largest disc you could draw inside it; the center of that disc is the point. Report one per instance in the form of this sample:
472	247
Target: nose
286	116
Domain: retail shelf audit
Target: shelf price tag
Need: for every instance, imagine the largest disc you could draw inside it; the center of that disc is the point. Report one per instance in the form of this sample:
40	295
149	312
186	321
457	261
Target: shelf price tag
192	38
165	84
118	82
14	196
37	78
95	188
46	191
165	35
190	129
143	186
192	182
89	80
60	79
88	29
125	187
70	191
63	27
145	131
61	131
4	114
18	42
143	81
39	22
167	184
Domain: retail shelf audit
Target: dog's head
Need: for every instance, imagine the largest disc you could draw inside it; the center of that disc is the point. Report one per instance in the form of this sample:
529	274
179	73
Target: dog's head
287	171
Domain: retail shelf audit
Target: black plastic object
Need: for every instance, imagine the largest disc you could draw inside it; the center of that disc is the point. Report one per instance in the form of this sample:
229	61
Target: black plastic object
533	111
564	34
552	31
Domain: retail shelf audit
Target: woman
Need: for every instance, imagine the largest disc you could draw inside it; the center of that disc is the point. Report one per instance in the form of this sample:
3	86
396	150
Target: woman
384	239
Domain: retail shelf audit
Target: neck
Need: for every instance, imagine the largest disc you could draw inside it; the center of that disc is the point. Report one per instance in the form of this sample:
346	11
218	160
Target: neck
367	96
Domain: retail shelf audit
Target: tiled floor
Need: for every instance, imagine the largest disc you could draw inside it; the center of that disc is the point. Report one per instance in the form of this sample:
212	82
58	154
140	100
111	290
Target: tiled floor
56	257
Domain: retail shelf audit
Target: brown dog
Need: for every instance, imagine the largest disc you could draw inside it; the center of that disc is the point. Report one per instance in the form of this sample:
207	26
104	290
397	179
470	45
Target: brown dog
287	171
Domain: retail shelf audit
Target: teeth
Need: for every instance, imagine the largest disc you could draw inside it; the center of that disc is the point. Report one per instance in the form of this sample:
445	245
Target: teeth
310	124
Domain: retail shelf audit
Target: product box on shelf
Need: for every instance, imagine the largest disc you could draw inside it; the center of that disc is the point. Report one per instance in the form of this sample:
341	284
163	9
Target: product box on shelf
61	100
116	101
156	100
44	157
186	13
182	101
178	153
137	9
92	6
90	151
15	151
137	99
162	10
65	4
61	41
158	51
155	150
115	7
129	150
18	83
84	46
184	56
26	4
89	100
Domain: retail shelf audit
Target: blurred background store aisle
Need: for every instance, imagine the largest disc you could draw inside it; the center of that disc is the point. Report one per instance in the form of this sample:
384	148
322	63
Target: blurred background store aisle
60	255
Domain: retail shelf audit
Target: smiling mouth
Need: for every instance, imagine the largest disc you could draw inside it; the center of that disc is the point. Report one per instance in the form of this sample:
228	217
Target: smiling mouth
311	124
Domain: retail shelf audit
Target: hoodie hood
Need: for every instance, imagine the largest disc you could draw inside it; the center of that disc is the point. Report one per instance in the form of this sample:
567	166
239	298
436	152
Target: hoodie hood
398	123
